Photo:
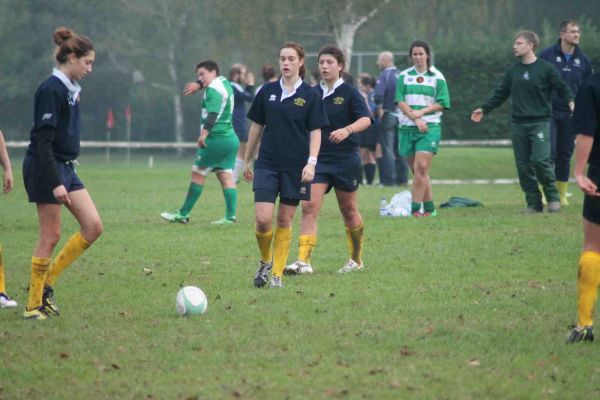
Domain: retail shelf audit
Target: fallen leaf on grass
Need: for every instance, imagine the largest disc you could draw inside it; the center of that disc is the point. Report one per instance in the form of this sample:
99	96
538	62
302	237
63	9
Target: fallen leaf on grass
474	363
115	366
406	351
64	355
147	271
376	371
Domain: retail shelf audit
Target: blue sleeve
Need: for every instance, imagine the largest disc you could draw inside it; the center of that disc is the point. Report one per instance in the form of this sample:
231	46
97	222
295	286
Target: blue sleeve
358	106
48	108
257	109
316	116
380	90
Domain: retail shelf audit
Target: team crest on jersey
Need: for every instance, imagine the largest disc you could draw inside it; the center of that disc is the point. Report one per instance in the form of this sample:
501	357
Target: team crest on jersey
272	97
420	79
526	75
338	100
577	61
300	102
558	59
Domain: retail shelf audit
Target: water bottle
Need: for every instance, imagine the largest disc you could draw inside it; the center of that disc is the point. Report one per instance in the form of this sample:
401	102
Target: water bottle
383	211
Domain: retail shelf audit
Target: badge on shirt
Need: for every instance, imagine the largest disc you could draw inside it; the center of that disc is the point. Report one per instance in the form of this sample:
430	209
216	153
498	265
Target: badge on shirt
300	102
577	62
338	100
272	97
558	59
526	75
420	79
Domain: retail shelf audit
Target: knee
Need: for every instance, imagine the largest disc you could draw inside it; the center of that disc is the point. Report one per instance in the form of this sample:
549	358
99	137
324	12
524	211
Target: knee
351	215
420	170
49	239
283	221
310	210
93	231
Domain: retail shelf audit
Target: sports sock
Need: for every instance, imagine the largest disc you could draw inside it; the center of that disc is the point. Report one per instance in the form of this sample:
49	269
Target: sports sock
541	189
415	207
306	243
39	270
264	245
193	194
74	247
239	164
2	283
587	287
369	170
562	191
428	206
281	249
230	195
355	242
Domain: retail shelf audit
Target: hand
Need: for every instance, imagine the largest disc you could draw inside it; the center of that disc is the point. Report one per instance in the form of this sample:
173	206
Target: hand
477	115
422	125
379	113
308	173
8	181
587	186
415	114
250	79
61	195
572	106
248	173
202	138
338	135
191	88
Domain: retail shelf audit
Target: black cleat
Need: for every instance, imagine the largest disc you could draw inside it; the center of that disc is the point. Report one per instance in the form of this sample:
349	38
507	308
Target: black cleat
262	274
586	334
48	301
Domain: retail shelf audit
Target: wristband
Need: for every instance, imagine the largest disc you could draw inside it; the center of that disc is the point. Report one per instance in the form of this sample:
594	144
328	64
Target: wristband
312	160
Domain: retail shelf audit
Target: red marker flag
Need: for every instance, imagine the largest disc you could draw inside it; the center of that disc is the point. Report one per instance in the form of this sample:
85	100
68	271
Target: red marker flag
128	113
110	119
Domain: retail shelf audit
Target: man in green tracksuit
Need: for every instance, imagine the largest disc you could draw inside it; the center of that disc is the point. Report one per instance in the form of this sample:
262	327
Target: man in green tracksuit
530	82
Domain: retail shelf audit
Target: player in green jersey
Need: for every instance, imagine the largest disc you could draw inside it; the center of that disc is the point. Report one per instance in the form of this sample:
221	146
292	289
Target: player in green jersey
421	95
217	144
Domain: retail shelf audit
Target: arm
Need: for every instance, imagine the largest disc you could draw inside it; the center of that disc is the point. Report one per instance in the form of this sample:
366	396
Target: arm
191	87
5	162
206	128
501	93
416	115
357	126
254	135
561	87
50	175
308	172
582	152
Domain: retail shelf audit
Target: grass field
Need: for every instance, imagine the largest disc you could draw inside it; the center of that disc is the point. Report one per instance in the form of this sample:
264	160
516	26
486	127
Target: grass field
473	304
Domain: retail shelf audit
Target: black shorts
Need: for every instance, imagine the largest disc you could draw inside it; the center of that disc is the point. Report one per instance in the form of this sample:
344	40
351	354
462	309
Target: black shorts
38	190
342	174
591	205
241	133
268	184
368	138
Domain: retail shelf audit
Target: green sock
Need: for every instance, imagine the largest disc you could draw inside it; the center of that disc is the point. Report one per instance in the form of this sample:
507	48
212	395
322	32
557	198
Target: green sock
428	206
230	195
193	195
415	206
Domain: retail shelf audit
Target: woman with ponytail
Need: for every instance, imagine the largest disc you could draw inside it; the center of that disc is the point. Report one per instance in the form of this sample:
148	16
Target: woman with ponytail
49	170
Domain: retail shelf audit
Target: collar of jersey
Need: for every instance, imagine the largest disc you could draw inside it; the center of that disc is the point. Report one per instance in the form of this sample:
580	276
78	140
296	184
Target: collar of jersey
73	87
326	91
284	92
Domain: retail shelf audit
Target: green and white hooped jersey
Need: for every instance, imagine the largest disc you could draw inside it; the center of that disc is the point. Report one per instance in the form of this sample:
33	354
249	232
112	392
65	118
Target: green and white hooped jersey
218	98
422	90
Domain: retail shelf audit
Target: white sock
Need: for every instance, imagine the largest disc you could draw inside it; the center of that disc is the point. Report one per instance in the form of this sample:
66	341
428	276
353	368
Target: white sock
239	164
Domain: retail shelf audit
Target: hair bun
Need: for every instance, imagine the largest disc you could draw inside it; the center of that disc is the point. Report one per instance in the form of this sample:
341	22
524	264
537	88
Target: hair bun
61	34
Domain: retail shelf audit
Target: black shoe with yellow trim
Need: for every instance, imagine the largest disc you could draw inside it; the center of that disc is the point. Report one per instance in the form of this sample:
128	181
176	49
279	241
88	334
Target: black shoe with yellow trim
39	313
48	301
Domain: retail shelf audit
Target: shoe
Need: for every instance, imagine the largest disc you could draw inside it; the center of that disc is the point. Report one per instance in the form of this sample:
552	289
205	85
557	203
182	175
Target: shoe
224	221
36	314
531	210
417	214
261	277
430	214
586	334
175	217
48	301
298	268
275	282
350	266
6	302
553	206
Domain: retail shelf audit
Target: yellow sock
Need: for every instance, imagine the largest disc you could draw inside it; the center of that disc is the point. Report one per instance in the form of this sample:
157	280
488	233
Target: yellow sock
39	270
264	245
587	287
72	249
2	283
541	189
281	249
562	191
355	242
306	243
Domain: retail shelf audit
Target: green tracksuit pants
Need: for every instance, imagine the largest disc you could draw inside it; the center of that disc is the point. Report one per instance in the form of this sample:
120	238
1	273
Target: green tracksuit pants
531	147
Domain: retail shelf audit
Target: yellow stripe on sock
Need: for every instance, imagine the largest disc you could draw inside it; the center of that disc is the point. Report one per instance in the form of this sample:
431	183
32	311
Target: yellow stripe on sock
281	249
39	270
587	287
264	240
306	244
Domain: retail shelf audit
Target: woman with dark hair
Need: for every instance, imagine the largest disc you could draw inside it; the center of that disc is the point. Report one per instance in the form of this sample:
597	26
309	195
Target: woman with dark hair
339	164
49	170
287	117
421	96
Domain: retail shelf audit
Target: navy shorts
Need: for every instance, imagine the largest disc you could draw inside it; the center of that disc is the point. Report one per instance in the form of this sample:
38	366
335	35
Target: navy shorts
591	205
343	174
39	191
242	134
368	138
268	184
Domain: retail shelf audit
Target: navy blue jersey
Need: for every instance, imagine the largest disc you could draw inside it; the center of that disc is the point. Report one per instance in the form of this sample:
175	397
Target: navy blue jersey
284	145
586	119
54	109
344	106
241	95
573	70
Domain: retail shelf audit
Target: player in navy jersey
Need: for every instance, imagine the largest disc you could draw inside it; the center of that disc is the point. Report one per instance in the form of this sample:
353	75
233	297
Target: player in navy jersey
339	164
49	170
287	117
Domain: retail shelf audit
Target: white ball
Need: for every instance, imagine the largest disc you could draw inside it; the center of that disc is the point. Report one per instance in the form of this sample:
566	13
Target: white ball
191	300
